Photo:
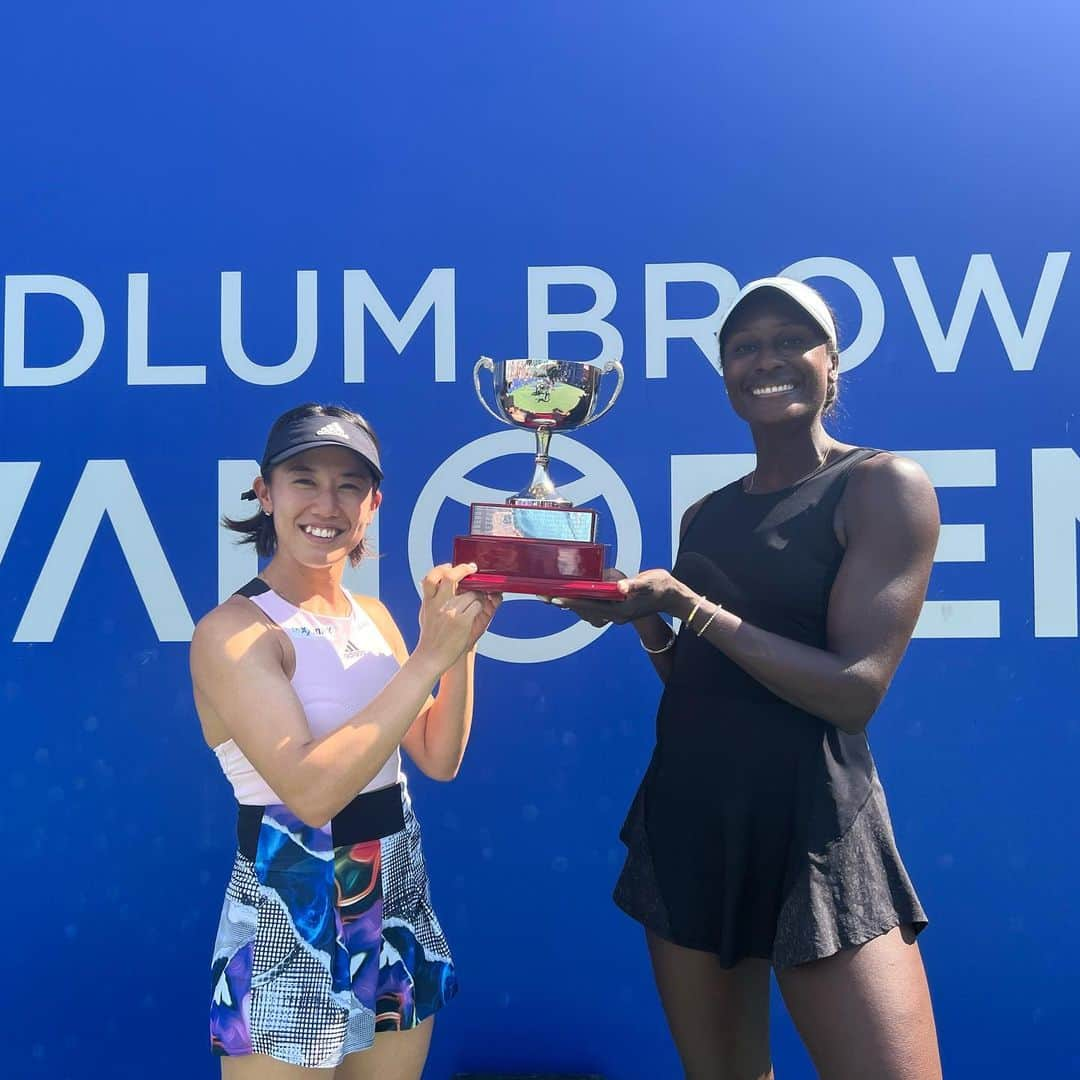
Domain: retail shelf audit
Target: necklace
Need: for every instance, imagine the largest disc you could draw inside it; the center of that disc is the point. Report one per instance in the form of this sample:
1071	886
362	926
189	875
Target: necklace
749	489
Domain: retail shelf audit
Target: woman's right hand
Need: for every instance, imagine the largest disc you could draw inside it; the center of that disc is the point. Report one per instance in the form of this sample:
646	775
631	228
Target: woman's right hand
648	593
447	616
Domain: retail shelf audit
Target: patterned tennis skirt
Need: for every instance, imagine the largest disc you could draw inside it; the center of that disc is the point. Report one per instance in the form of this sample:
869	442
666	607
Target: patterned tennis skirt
327	935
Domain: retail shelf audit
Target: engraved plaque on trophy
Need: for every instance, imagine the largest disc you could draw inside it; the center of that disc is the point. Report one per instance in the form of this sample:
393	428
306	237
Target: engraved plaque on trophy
537	542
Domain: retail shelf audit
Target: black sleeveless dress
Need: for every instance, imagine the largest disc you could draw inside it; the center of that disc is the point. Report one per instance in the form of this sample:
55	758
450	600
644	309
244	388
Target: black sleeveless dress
760	830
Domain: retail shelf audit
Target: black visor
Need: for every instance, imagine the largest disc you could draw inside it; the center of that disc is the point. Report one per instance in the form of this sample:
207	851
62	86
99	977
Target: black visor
309	432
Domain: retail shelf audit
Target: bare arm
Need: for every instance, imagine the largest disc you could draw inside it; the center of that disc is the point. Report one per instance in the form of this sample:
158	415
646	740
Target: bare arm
655	634
237	670
437	739
890	519
653	631
891	523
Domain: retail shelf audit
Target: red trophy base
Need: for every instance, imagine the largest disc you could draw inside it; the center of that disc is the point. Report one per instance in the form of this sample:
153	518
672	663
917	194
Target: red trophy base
515	564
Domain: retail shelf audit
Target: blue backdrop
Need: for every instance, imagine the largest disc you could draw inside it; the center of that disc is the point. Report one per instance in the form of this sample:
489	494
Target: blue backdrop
209	213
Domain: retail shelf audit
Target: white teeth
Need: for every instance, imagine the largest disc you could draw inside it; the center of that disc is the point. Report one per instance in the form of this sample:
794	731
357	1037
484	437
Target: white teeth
764	391
322	534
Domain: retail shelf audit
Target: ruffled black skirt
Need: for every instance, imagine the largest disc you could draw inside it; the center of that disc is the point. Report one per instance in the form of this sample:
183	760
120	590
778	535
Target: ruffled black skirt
715	872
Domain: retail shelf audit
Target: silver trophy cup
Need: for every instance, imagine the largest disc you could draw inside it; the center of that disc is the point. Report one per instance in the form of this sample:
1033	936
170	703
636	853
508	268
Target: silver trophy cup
545	396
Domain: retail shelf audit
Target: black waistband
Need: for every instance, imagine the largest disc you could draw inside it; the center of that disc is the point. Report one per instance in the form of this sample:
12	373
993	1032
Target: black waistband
369	816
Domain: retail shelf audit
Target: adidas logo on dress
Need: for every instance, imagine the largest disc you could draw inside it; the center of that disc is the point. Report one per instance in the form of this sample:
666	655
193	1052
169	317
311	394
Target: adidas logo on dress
335	429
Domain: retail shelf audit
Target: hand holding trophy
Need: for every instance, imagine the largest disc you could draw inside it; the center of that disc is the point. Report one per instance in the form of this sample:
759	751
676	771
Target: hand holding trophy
537	542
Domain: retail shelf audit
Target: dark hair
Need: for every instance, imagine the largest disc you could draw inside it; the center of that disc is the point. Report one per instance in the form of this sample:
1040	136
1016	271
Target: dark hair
832	393
258	529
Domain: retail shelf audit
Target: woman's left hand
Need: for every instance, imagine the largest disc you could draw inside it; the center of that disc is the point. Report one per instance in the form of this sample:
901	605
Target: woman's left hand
649	593
489	601
490	604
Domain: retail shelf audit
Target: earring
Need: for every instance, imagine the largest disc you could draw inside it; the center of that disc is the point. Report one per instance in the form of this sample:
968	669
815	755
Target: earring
268	513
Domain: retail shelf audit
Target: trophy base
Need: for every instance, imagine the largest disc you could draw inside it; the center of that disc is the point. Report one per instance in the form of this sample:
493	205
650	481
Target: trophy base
567	568
531	586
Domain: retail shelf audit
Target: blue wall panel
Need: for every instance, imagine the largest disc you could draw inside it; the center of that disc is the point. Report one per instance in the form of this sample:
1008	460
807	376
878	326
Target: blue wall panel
481	140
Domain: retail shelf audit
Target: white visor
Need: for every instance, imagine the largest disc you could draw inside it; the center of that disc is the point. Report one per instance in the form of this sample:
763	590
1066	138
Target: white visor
802	294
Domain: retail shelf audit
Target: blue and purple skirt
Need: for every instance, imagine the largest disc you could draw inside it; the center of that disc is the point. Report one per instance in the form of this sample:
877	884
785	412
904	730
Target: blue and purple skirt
327	935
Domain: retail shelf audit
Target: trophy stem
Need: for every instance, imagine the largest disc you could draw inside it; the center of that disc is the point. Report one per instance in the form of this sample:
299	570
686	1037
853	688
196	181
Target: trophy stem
541	491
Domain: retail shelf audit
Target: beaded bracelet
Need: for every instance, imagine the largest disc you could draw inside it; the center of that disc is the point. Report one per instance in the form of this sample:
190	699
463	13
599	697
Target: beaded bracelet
719	607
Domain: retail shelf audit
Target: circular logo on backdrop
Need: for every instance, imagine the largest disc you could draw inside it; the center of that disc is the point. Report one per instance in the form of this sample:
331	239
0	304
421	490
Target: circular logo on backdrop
598	479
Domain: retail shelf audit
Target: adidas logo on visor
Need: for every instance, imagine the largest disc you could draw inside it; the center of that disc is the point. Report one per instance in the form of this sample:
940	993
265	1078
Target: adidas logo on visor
334	429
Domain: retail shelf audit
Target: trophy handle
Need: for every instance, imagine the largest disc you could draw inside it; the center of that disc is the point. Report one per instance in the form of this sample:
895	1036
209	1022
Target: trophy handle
486	362
611	365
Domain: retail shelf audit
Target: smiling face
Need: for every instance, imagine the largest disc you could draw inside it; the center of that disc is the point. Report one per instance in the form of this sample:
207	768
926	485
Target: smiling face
777	362
322	502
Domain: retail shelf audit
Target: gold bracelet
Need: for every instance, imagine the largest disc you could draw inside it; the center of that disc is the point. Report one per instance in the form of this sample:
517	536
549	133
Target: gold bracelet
719	607
694	610
663	648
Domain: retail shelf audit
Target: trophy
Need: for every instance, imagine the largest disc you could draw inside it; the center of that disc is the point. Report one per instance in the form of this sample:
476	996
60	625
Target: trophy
537	542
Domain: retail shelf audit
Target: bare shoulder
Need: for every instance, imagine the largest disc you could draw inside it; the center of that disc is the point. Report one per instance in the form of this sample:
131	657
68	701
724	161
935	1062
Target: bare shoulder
889	472
889	491
384	622
234	623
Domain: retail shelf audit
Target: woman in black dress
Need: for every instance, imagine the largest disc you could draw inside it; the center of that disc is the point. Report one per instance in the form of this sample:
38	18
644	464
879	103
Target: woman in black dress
759	839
